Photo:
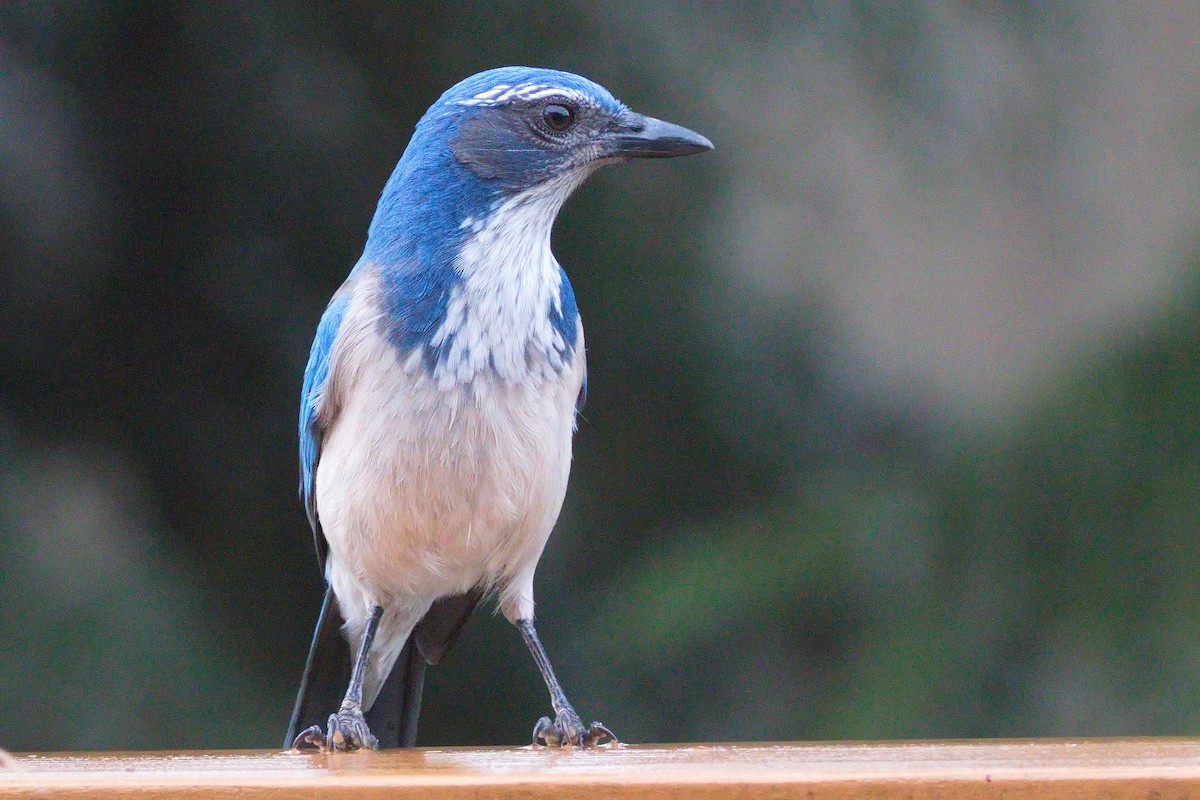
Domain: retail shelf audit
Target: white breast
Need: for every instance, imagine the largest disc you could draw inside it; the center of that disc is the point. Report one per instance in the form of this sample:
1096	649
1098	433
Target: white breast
423	489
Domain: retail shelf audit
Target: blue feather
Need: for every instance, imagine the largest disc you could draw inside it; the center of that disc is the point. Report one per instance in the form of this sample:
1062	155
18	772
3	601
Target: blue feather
414	304
316	375
413	242
565	319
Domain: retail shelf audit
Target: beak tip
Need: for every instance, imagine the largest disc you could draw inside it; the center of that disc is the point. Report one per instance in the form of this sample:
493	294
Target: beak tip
689	145
653	138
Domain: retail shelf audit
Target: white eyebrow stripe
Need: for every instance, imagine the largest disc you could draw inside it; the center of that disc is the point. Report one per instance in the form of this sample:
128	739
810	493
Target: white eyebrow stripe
484	98
504	93
491	92
538	95
508	95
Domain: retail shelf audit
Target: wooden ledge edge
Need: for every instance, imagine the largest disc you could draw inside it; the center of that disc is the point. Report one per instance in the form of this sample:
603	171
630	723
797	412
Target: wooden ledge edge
1035	768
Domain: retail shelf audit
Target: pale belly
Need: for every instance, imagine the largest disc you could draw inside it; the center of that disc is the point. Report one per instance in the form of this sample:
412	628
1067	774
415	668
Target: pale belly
423	492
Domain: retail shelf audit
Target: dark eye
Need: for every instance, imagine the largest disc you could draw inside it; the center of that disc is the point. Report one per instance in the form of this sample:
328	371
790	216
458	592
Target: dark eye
557	117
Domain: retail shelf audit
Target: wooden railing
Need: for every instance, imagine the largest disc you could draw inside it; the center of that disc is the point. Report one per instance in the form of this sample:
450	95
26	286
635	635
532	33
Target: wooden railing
1035	769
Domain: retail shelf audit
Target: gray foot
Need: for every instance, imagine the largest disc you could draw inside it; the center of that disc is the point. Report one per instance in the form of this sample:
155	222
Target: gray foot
347	731
567	729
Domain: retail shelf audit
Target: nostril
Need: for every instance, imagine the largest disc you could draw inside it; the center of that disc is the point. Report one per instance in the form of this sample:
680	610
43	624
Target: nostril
625	126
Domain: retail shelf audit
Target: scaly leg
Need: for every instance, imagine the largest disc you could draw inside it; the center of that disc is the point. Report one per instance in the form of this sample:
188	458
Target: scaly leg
348	727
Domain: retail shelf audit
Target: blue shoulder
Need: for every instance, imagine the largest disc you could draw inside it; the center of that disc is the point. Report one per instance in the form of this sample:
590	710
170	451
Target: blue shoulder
315	376
565	320
414	304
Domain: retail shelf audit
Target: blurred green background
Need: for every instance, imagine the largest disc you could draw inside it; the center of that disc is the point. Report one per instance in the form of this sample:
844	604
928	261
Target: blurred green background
894	416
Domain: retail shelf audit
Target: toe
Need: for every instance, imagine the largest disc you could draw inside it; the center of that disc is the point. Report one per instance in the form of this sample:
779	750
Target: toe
545	731
336	739
348	730
363	738
596	733
570	726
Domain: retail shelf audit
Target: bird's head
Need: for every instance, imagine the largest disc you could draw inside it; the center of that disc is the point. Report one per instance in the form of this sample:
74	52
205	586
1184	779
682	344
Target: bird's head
520	127
513	131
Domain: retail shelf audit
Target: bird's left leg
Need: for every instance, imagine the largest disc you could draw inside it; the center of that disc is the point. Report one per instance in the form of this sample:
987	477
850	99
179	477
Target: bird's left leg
567	727
348	727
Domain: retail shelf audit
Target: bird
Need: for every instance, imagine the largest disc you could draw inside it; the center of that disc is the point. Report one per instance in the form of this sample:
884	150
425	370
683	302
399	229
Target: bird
441	395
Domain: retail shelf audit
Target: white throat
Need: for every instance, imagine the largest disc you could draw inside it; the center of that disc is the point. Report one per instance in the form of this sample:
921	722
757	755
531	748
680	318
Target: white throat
498	317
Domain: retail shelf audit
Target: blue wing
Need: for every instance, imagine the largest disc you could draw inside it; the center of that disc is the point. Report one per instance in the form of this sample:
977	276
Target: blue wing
312	422
565	319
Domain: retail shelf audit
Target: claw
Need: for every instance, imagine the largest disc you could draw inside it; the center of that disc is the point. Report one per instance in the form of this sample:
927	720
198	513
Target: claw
311	736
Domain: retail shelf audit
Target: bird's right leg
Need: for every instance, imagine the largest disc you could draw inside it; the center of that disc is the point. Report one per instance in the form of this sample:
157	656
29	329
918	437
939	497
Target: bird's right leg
567	728
348	727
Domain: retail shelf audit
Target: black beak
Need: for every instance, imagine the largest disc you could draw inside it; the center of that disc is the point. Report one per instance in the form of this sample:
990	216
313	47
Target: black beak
637	136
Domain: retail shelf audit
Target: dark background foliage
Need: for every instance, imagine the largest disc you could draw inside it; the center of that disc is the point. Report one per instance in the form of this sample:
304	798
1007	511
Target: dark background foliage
894	416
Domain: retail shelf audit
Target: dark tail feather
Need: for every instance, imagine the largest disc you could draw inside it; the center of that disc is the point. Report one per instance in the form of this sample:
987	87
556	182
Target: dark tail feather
393	716
326	673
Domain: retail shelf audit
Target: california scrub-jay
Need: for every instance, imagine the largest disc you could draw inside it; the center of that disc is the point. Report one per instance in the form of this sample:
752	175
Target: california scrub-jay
441	393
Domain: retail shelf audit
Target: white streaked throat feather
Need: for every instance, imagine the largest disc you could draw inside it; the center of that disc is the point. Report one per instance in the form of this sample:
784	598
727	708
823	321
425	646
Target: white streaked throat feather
499	317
